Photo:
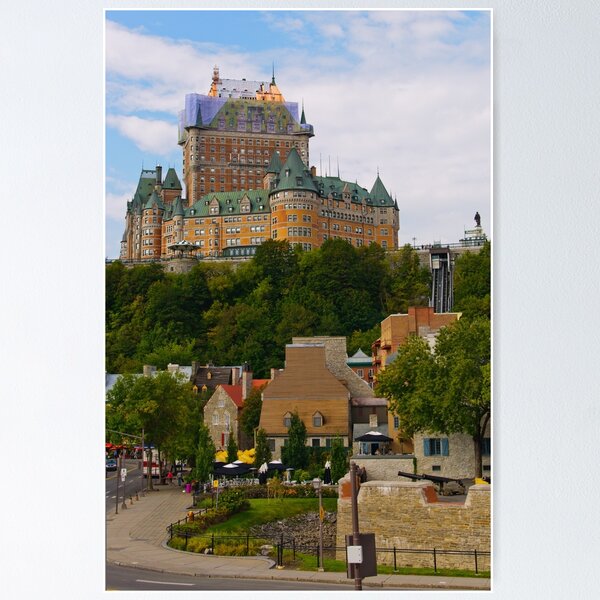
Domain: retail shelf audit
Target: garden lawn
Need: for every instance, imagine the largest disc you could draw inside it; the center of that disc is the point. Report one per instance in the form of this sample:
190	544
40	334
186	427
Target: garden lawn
265	510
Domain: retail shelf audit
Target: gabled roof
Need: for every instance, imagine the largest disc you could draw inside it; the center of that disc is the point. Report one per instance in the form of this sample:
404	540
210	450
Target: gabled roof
229	203
177	208
171	181
154	199
380	195
359	358
235	393
218	376
257	383
294	175
274	164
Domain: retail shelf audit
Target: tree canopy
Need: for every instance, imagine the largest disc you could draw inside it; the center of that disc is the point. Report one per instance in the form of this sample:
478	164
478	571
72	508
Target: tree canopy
262	452
233	315
296	453
164	406
472	283
447	391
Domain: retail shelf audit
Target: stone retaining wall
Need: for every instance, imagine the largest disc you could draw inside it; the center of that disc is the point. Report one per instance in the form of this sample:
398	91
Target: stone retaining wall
385	467
409	515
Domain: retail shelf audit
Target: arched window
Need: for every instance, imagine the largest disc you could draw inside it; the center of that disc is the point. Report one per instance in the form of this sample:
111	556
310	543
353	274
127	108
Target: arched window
227	421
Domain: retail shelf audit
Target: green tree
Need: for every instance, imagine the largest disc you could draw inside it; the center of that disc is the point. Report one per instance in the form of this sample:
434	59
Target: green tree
262	452
472	283
161	405
250	417
445	392
363	340
232	448
205	455
339	459
296	453
409	281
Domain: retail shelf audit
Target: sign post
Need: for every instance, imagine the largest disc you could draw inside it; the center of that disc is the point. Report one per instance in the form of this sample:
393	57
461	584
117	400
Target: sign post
123	476
355	533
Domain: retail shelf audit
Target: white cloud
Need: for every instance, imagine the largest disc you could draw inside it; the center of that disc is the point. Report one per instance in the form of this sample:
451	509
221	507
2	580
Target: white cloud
116	204
404	92
149	135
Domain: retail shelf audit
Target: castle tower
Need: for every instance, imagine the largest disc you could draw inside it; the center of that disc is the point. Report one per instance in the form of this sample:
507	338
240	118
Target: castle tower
152	216
229	135
272	172
294	203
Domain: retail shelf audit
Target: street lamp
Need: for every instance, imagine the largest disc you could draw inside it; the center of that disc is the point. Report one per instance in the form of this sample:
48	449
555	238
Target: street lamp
317	485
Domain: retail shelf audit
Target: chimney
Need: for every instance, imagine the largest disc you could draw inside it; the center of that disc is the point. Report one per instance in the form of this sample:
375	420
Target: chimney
313	171
246	384
158	175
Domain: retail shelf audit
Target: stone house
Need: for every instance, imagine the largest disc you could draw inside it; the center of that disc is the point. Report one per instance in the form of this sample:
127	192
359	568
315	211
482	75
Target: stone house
318	384
223	410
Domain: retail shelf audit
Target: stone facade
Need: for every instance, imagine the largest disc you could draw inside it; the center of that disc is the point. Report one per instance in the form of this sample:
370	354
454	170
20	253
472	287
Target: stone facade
221	415
460	462
409	515
385	468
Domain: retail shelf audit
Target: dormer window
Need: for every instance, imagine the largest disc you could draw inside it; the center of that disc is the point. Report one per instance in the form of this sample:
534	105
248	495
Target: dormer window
317	419
287	420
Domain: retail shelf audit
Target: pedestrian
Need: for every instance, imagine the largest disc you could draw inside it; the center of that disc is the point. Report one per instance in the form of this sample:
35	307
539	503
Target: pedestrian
179	478
170	477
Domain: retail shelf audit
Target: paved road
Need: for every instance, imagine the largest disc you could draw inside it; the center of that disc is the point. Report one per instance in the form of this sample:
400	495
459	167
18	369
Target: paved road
123	578
133	483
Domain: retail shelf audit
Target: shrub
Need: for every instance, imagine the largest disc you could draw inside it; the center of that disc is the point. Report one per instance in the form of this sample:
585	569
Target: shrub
177	543
198	544
233	501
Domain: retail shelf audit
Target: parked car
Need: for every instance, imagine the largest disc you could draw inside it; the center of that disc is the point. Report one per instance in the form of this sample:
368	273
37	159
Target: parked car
111	464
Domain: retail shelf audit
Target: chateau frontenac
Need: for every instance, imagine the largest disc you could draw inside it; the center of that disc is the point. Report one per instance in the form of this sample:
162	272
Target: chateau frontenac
247	180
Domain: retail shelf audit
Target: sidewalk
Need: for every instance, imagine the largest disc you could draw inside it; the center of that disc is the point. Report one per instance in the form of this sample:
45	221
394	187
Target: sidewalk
136	537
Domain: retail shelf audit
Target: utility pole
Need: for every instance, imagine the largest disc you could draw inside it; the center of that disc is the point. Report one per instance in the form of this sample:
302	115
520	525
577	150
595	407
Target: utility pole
120	471
142	492
118	475
355	534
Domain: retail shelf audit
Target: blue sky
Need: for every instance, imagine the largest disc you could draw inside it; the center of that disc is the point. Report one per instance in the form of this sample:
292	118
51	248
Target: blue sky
403	92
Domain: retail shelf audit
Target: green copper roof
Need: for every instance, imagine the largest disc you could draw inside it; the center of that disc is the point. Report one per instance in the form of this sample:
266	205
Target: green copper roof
380	195
275	163
171	181
336	187
230	203
154	199
177	210
256	116
294	175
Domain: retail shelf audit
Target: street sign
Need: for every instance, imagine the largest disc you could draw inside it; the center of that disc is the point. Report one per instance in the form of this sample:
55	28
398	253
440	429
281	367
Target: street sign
354	554
367	555
123	474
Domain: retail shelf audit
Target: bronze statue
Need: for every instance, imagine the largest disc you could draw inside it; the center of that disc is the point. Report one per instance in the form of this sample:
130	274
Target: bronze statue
477	219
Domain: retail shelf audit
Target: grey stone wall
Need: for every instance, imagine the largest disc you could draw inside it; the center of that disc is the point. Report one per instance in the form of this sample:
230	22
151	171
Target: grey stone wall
407	515
384	467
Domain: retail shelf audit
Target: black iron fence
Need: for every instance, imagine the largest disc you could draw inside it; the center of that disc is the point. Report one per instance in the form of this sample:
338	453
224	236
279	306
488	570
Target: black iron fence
278	545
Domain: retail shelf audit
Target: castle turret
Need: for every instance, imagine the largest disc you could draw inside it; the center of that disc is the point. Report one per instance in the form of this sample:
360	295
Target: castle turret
294	203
